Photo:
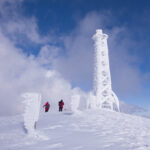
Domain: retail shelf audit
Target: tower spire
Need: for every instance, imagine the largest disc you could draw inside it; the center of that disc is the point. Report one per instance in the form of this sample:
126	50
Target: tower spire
104	95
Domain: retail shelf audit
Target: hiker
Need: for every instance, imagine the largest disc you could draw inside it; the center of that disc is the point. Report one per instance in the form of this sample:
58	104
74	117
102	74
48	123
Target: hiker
61	105
47	106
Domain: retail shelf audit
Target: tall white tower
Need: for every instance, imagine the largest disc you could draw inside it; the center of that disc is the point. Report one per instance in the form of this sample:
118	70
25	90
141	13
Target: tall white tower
104	96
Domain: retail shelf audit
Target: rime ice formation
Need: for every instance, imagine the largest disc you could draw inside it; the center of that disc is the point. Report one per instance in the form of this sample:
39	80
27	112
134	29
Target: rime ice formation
32	108
91	101
104	96
75	101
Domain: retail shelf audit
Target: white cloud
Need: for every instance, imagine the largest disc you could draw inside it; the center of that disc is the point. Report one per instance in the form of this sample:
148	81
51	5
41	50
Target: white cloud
24	29
20	29
20	74
126	76
48	54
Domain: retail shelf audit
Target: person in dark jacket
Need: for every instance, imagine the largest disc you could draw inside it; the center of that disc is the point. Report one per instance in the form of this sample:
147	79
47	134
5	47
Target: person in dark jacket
47	106
61	105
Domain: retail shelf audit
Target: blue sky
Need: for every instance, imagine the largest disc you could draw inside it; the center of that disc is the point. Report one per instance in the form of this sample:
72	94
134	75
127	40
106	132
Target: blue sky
57	35
63	15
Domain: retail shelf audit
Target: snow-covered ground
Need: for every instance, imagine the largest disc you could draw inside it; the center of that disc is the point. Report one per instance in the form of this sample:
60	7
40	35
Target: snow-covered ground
89	130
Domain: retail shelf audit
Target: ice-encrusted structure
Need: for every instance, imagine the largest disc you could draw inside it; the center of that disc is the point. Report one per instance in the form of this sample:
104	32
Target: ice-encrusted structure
102	90
75	101
32	103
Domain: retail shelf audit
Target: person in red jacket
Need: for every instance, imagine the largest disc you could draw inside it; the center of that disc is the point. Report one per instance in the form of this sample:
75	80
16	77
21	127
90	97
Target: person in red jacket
47	106
61	105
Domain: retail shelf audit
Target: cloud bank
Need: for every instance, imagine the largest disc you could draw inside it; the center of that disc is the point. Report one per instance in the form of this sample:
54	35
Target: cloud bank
21	73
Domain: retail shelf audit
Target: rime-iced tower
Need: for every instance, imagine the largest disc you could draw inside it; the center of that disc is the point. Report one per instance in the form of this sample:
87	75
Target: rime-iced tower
104	96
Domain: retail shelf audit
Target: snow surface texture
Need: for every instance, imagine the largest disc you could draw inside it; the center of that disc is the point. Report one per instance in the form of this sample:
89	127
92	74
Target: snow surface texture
32	109
93	130
105	97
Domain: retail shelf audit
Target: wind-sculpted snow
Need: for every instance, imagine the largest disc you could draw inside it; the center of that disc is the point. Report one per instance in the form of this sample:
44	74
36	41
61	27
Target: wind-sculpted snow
92	130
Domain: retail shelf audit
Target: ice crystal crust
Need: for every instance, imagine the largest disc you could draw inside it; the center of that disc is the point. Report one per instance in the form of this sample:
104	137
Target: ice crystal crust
102	90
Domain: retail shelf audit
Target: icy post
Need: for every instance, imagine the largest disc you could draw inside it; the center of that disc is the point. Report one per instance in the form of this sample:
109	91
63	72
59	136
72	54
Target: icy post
75	101
102	90
32	109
